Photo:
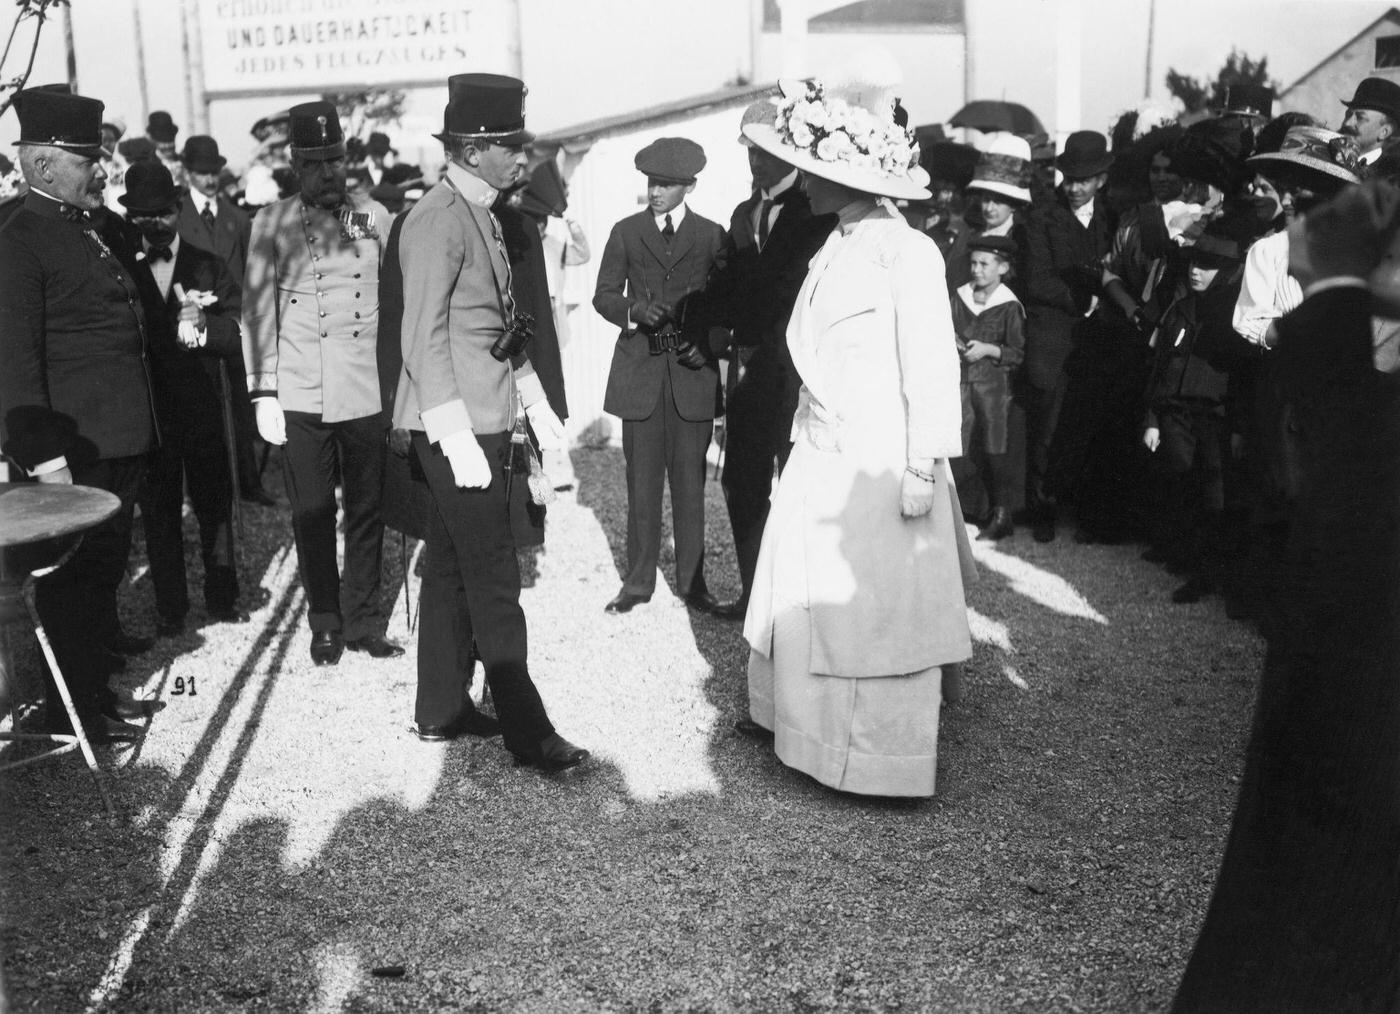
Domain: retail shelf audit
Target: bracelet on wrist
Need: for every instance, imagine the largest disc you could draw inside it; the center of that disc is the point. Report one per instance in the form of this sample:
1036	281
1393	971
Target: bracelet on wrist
916	473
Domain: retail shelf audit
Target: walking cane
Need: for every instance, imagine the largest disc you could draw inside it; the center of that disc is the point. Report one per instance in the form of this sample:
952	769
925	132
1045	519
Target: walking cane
231	453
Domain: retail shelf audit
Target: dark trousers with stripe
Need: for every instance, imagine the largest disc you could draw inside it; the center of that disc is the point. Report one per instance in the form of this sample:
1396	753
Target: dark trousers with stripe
316	456
471	601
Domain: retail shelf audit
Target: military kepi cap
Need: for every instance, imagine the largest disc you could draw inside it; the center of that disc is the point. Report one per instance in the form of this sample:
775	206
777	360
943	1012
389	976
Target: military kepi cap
671	159
488	106
314	131
72	122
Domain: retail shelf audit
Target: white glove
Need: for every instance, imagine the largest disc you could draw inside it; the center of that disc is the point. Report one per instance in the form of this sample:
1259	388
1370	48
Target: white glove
470	469
549	431
272	424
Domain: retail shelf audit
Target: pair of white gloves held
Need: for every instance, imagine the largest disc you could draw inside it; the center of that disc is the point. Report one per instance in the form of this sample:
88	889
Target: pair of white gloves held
470	468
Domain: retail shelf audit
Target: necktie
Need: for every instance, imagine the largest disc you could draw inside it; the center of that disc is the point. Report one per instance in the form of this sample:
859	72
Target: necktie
765	211
668	230
208	215
159	253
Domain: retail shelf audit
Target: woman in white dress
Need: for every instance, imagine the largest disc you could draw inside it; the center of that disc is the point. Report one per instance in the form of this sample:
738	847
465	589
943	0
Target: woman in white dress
858	600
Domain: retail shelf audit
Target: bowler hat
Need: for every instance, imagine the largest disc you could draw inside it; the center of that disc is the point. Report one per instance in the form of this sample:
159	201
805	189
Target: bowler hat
1086	154
1248	100
671	160
150	189
161	128
135	149
1003	246
1378	93
71	122
201	155
488	106
315	131
378	145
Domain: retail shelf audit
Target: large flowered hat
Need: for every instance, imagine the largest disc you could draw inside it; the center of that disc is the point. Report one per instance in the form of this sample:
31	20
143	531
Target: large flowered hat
843	129
1315	148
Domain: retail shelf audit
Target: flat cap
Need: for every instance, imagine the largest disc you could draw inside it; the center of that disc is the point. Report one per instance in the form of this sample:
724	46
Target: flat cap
674	159
1002	246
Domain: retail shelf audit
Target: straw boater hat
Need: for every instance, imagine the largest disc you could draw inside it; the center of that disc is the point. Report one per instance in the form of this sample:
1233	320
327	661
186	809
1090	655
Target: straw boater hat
843	130
1314	148
1004	168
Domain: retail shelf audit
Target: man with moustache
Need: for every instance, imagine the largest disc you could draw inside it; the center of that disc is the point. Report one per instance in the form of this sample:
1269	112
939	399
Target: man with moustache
462	392
187	344
1373	117
75	391
212	222
310	319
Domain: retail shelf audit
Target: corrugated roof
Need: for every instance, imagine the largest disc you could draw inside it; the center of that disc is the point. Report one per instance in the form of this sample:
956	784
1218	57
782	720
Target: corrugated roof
723	98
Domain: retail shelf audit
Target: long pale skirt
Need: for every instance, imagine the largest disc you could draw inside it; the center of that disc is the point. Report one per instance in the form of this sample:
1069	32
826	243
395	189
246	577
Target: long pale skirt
874	736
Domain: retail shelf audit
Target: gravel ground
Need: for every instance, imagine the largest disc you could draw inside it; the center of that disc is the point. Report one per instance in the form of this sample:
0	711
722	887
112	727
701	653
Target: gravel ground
286	838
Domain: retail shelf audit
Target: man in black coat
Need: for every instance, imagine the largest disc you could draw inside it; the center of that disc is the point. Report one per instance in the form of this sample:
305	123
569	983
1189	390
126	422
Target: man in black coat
187	342
772	236
212	222
1065	245
75	392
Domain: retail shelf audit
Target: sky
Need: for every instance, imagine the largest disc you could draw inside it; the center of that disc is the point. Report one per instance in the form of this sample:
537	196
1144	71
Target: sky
1192	36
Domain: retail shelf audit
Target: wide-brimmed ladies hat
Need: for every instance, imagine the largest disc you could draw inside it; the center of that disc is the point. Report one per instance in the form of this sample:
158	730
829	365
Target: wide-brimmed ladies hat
1315	148
1004	168
843	130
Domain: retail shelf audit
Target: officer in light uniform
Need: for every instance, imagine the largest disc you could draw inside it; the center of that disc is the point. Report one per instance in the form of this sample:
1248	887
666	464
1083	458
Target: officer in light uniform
310	318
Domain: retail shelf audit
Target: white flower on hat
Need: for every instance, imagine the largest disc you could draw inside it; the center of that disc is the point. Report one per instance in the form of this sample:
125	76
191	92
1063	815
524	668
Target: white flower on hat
833	130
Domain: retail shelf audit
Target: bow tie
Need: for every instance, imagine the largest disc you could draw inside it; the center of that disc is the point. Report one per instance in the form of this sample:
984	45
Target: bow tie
159	253
72	214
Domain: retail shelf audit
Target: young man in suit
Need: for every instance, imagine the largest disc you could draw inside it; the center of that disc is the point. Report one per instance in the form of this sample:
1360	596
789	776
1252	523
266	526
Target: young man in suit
1065	245
212	222
75	394
461	393
187	341
772	236
662	384
310	314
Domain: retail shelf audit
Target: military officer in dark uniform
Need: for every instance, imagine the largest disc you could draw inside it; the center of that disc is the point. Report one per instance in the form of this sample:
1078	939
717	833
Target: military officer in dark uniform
465	390
662	384
75	389
310	319
772	236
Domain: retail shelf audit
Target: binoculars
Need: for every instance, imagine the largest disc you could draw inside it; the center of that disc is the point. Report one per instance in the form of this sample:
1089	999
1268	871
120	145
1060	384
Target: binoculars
512	340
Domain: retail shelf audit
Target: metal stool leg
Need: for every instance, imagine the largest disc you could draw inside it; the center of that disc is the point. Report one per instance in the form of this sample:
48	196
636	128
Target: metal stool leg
62	685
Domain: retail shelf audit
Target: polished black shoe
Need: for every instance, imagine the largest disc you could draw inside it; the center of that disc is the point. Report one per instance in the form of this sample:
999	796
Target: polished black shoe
998	526
261	497
98	728
230	615
748	727
555	754
471	723
375	646
128	708
126	645
169	626
326	646
707	603
624	602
